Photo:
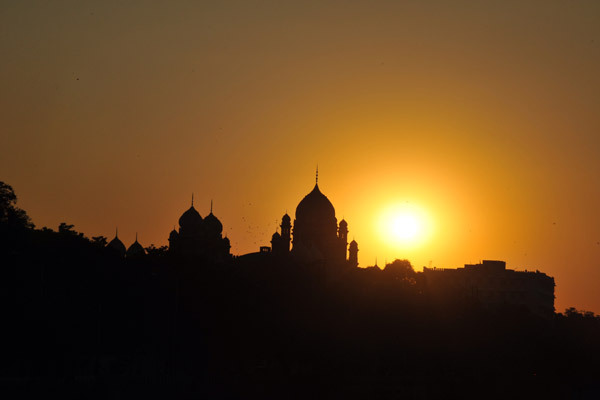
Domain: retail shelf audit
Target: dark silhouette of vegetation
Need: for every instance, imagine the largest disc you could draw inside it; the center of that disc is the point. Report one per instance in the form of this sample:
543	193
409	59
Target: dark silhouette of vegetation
81	322
12	216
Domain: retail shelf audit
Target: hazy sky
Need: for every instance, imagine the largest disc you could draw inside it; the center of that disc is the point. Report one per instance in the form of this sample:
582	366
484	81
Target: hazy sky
483	115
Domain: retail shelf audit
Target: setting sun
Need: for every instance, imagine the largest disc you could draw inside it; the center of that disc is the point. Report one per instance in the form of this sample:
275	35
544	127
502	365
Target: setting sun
404	225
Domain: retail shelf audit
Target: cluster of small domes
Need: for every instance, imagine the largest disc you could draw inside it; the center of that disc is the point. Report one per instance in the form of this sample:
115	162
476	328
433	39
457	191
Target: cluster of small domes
117	247
192	221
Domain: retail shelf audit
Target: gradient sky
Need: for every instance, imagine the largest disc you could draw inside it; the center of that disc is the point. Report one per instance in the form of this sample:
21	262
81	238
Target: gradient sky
484	115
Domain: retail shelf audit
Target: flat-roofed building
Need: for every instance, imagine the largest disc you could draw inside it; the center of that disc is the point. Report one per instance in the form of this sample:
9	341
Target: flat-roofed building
491	284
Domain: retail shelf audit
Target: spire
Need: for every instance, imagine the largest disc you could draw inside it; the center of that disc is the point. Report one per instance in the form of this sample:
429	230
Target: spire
117	232
211	206
317	176
136	236
192	199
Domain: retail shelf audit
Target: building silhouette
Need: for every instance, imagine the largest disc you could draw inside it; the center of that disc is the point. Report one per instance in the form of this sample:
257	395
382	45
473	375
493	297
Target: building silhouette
136	250
199	237
117	247
491	284
316	235
280	243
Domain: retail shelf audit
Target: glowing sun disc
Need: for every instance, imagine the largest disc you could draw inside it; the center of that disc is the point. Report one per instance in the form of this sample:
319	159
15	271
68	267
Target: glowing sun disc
404	224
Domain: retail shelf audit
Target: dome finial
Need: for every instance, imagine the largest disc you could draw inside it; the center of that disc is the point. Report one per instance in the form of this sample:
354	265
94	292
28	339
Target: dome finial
136	236
192	199
211	201
317	176
116	231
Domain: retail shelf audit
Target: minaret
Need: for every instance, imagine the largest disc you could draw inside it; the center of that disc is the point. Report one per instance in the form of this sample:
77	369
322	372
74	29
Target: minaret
343	238
286	229
353	254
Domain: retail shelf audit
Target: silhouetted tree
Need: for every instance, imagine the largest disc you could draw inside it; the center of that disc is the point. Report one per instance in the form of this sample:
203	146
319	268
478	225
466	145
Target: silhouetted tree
100	241
12	216
66	229
400	270
157	251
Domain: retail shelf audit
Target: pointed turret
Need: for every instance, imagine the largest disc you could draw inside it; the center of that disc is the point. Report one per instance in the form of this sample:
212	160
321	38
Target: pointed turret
116	246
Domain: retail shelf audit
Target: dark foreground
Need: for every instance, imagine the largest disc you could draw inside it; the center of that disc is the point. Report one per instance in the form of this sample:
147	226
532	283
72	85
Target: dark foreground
79	322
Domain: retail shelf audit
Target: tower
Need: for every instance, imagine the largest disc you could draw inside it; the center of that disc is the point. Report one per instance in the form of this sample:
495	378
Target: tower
343	238
286	232
353	254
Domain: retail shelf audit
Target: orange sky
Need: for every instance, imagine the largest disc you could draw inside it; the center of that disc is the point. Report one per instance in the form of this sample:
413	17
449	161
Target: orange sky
484	115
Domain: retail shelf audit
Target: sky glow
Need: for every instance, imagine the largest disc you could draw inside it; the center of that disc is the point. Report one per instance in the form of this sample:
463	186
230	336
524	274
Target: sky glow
485	114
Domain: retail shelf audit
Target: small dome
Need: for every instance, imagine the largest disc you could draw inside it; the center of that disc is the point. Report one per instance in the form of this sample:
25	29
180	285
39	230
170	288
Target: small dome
276	236
286	218
190	218
315	206
212	224
343	224
173	235
353	244
116	246
136	249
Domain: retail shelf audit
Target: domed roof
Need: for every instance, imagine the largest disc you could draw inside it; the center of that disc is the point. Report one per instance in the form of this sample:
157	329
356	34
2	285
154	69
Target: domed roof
343	223
136	249
286	218
275	236
173	234
117	246
212	224
190	218
315	205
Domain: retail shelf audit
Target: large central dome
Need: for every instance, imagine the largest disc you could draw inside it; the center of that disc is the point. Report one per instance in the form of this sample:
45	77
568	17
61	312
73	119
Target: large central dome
315	206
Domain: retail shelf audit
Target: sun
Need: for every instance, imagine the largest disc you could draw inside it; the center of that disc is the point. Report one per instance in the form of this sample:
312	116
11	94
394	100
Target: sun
404	225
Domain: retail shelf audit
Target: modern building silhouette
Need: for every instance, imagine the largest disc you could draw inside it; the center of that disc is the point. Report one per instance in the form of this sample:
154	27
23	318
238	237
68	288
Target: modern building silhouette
491	284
